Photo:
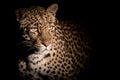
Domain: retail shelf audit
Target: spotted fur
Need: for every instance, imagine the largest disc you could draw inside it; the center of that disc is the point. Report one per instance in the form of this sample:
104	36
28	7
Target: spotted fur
63	48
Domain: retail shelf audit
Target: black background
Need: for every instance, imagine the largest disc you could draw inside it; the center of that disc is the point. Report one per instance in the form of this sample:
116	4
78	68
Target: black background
82	11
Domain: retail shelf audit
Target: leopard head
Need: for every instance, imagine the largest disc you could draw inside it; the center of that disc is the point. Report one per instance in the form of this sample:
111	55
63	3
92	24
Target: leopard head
38	24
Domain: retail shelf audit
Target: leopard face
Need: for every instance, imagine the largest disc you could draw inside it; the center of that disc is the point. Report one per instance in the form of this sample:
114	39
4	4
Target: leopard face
63	48
37	23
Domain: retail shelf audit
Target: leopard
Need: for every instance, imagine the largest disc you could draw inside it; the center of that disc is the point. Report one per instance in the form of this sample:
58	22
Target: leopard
63	48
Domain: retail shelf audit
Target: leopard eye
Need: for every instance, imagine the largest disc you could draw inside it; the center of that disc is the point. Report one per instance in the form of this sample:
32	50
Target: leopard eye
51	23
33	30
51	28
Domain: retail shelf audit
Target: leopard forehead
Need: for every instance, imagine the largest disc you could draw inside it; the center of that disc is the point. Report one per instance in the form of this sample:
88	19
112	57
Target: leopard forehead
35	10
34	16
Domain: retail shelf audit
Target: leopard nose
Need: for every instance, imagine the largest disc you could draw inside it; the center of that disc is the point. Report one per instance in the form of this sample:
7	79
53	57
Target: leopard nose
46	43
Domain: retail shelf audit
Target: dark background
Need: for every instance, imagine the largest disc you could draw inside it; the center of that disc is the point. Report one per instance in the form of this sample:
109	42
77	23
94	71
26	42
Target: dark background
82	11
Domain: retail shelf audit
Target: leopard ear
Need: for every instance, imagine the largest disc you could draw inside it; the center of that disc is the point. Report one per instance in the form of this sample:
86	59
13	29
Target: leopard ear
53	9
19	13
